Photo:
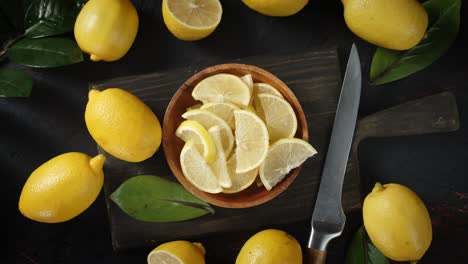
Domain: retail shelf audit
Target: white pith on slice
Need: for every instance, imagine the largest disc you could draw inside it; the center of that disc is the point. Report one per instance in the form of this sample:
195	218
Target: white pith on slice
196	170
222	87
252	140
283	156
207	119
219	165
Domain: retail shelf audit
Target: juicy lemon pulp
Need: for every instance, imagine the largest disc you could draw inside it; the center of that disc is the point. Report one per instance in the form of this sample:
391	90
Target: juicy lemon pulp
258	114
197	171
192	130
191	19
177	252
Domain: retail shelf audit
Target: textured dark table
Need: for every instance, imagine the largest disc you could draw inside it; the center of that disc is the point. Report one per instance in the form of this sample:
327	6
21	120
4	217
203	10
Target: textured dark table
51	122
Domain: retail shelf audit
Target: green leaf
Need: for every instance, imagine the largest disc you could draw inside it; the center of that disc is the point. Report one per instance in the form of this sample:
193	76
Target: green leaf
444	23
15	83
362	251
154	199
45	52
45	18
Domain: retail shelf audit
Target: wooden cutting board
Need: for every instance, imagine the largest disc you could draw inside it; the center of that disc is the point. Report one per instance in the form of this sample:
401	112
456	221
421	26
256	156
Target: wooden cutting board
315	78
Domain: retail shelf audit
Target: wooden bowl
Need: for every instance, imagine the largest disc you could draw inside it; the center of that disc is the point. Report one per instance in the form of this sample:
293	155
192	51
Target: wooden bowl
173	145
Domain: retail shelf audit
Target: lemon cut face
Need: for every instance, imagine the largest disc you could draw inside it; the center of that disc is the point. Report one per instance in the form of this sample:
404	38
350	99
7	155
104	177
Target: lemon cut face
222	87
207	119
177	252
283	156
251	141
278	115
197	171
192	130
191	20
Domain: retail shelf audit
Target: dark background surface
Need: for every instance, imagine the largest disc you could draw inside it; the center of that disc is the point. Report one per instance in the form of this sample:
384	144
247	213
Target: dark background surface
51	122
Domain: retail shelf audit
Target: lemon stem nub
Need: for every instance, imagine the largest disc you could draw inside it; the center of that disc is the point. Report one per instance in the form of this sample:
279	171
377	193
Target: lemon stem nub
93	93
200	247
378	187
97	162
94	57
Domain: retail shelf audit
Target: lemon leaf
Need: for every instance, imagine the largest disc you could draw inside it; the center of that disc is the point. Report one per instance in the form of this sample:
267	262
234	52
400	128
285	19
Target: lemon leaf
444	23
151	198
45	18
15	83
362	251
45	52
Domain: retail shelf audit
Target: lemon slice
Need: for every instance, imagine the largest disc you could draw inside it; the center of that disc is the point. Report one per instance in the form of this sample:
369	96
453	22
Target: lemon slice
195	106
191	20
251	140
249	81
222	87
208	119
196	170
192	130
279	116
283	156
240	181
223	110
265	88
219	166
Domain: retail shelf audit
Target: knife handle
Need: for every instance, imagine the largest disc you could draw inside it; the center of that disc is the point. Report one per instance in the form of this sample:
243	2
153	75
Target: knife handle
315	256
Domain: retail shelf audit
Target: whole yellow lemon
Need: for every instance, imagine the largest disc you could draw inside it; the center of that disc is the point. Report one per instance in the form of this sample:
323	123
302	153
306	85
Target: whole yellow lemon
278	8
62	187
270	246
397	222
106	29
179	251
395	24
122	124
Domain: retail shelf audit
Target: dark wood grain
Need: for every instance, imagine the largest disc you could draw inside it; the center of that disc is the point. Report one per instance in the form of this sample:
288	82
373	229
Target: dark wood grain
182	99
314	256
430	114
314	78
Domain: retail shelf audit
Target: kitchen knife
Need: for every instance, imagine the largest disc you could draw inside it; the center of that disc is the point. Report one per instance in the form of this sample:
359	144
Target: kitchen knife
328	218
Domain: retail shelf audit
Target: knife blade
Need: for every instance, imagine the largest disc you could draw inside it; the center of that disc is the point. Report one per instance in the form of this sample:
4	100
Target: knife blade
328	218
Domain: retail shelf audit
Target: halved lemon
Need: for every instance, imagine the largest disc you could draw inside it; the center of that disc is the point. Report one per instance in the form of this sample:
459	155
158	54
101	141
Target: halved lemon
278	115
283	156
177	252
208	120
191	19
219	165
222	87
240	181
223	110
192	130
196	170
251	140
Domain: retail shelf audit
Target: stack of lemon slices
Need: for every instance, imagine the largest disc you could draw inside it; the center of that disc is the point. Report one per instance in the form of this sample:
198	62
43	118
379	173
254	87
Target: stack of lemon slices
241	130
